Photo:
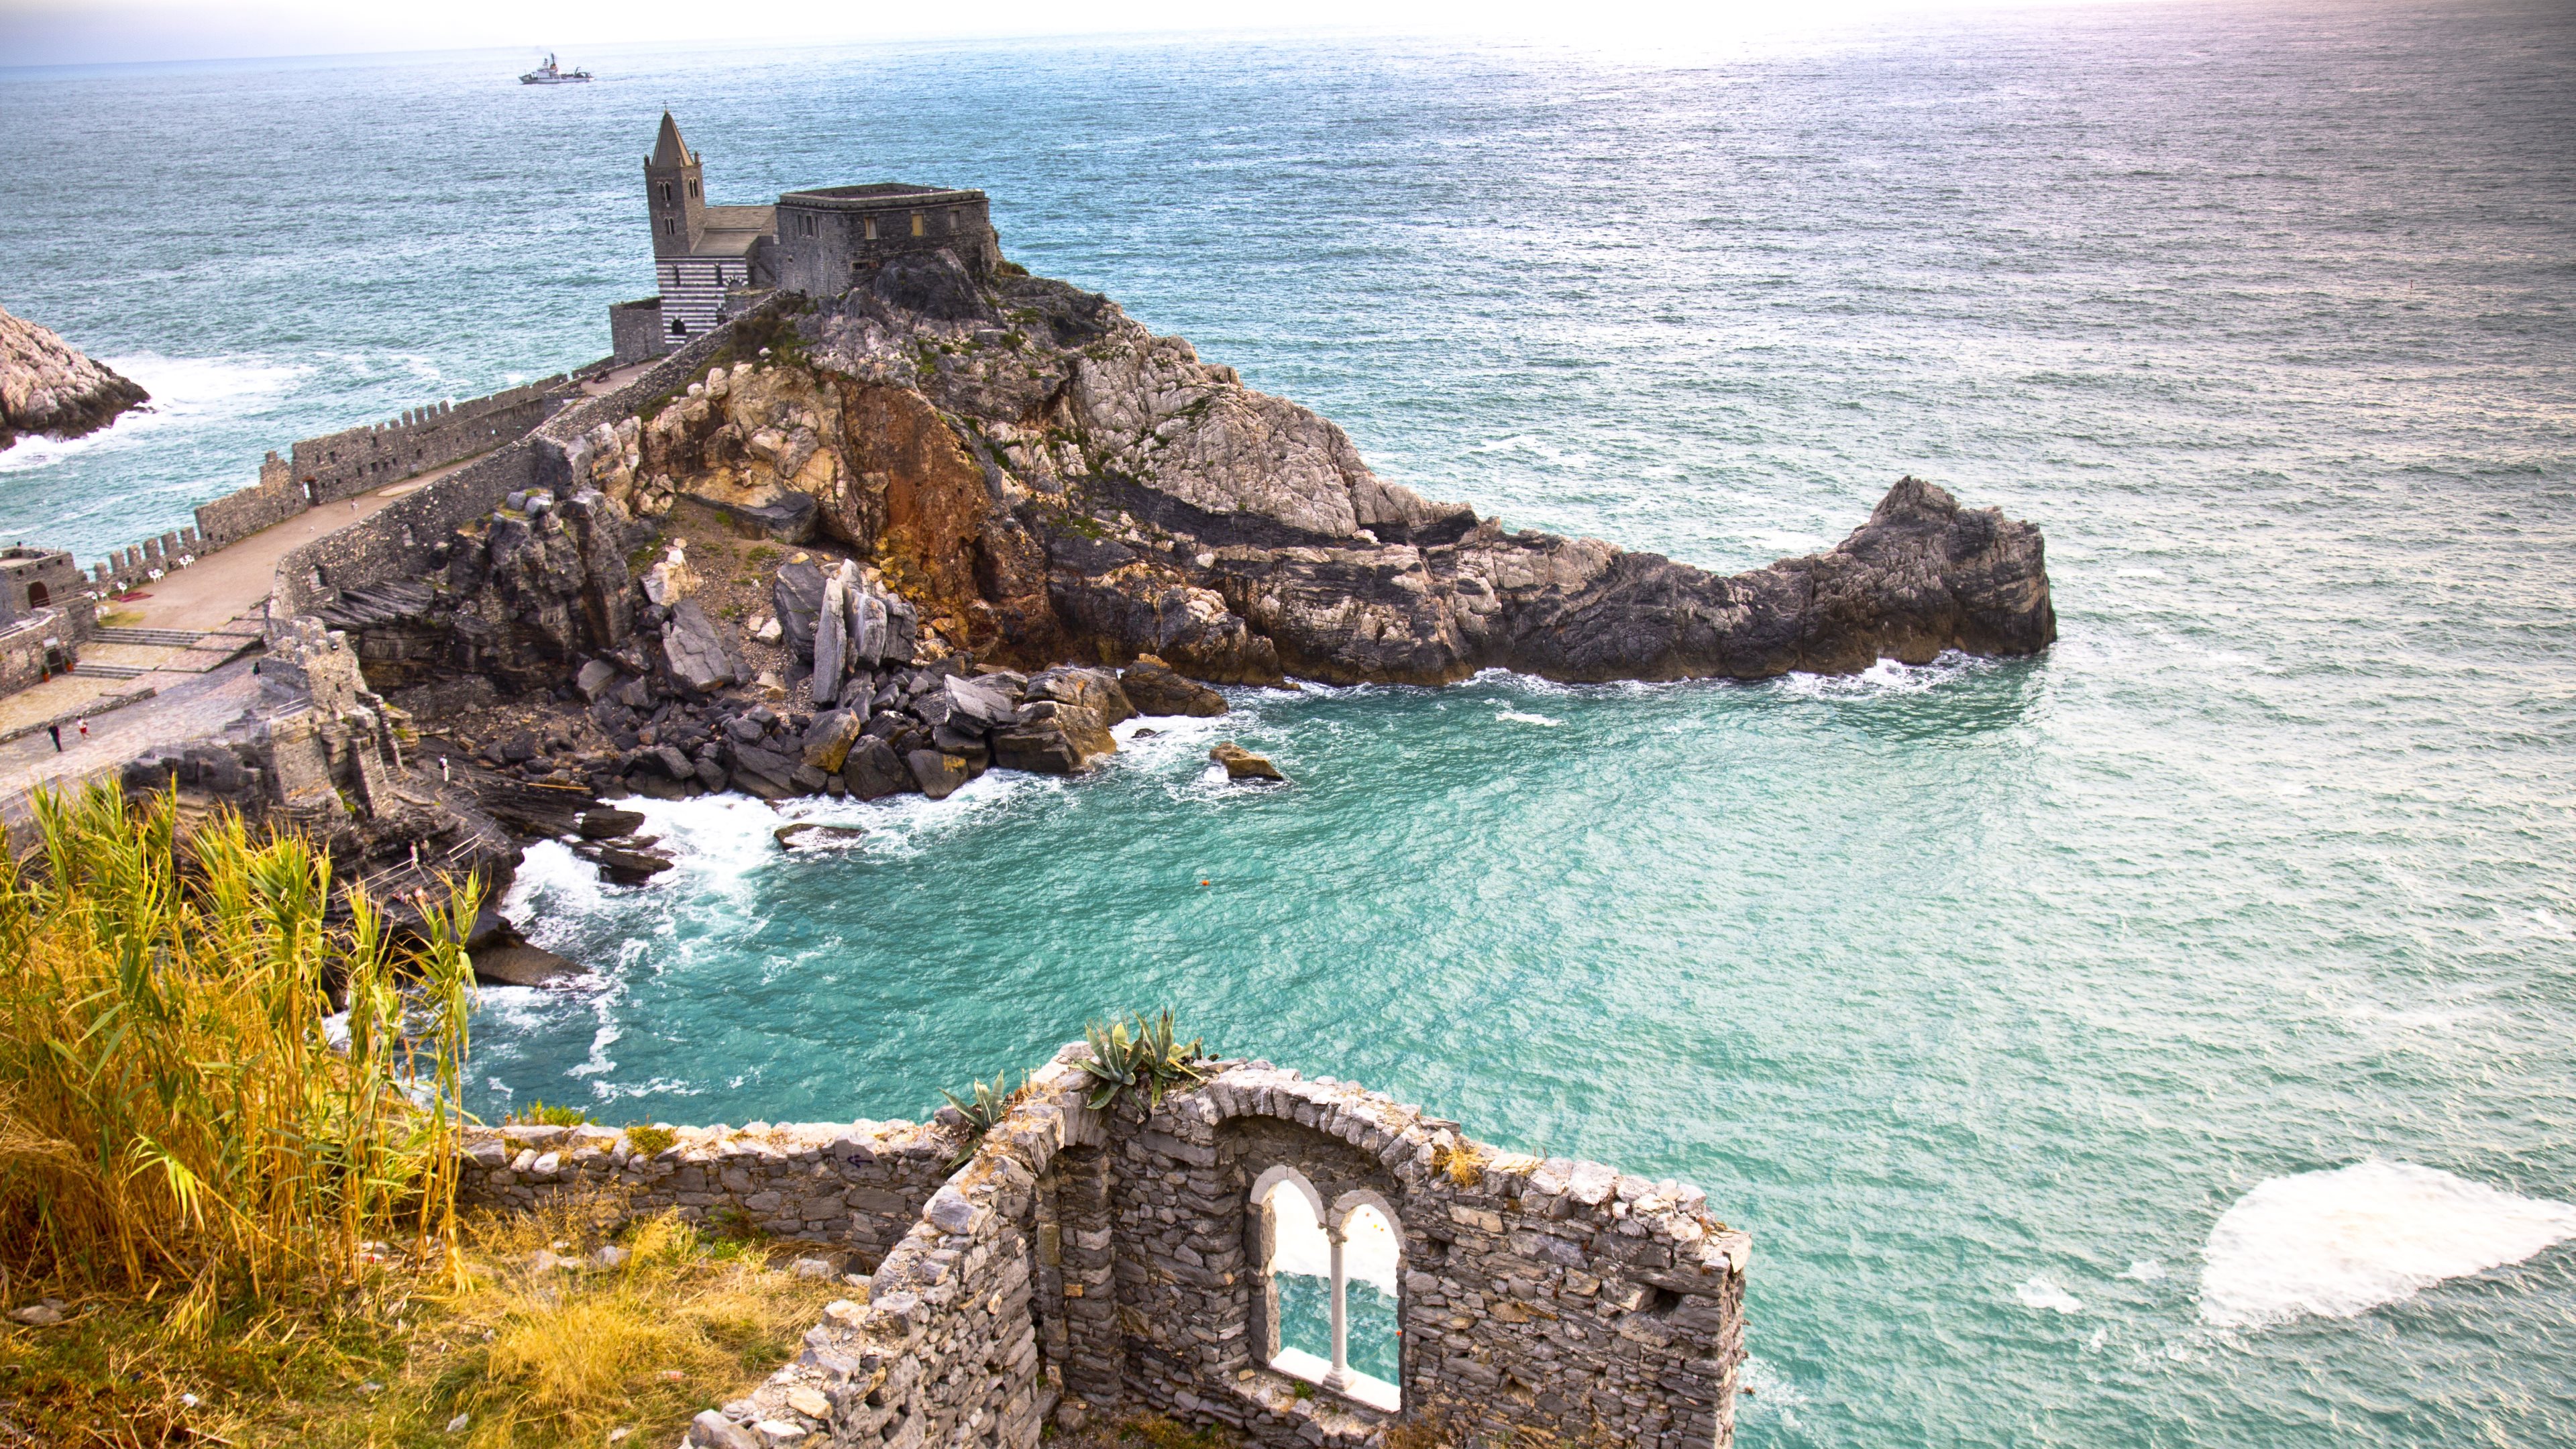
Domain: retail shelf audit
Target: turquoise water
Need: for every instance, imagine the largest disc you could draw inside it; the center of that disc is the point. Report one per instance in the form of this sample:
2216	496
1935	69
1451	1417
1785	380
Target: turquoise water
1981	993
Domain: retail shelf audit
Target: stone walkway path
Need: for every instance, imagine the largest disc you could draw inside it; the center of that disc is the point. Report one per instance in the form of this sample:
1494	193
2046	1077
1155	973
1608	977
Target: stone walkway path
180	694
189	706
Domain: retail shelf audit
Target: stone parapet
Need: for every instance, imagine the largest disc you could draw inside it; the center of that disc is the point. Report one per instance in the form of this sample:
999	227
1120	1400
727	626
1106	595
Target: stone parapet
861	1185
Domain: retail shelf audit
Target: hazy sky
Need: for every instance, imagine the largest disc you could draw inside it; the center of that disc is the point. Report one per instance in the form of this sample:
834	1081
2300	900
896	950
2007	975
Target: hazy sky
55	32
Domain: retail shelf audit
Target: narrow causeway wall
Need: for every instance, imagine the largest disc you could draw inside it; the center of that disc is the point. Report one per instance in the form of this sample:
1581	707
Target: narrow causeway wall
1120	1261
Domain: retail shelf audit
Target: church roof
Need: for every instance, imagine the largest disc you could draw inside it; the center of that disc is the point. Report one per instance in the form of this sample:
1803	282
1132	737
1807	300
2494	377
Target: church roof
668	148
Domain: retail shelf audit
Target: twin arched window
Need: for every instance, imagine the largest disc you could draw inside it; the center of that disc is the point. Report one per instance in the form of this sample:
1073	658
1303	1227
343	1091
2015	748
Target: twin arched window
1328	1281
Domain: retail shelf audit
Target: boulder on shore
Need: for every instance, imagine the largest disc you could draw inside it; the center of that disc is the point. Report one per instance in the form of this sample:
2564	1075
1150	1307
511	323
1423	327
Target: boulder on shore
828	739
873	771
701	658
48	387
1053	738
607	824
1153	688
938	775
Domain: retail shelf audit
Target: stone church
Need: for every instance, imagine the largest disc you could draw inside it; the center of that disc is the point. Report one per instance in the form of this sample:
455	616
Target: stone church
706	259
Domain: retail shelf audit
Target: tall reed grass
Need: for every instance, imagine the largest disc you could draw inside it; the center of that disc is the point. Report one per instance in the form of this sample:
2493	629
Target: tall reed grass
181	1110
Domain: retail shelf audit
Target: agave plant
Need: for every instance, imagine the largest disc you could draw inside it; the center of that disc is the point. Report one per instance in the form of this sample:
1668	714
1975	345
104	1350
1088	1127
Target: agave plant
983	1110
1139	1056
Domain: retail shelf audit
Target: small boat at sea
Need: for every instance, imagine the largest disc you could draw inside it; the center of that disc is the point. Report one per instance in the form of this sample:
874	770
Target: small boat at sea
548	75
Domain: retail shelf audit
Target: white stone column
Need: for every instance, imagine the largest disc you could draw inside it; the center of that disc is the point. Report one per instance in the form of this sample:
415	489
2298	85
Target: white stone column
1340	1377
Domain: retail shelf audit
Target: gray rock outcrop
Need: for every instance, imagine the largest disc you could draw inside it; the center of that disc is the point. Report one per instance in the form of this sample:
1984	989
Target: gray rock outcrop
701	657
46	386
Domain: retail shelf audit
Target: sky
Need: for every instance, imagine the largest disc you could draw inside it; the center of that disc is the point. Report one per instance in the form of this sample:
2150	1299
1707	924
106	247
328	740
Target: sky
81	32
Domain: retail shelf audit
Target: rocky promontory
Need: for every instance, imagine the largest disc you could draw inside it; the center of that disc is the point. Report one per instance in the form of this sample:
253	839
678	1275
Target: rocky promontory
950	522
47	387
1049	481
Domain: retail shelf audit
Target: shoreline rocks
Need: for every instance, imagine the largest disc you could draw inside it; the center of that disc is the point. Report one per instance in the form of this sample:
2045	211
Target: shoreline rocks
1243	764
48	387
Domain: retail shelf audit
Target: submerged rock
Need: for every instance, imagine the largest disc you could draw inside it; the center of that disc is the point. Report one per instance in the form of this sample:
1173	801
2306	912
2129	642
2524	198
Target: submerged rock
521	964
808	832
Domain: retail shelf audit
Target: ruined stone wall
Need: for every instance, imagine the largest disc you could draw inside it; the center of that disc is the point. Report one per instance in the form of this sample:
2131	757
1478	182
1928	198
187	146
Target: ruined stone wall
861	1185
38	645
1112	1257
1554	1296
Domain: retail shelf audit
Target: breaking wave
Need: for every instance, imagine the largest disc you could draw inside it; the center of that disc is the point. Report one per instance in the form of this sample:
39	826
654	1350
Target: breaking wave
2338	1243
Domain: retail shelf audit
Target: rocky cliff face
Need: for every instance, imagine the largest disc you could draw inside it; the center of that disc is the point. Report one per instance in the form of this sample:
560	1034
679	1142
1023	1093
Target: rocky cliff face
46	387
1048	480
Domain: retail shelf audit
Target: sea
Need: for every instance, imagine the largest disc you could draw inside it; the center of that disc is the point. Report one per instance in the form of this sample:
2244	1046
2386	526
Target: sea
2169	1040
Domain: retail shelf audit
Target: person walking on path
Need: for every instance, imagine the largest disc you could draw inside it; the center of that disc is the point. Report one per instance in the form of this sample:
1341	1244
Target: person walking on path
84	729
56	730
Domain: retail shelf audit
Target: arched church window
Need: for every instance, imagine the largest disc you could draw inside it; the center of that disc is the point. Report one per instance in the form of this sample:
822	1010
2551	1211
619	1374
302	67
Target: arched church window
665	188
1328	1288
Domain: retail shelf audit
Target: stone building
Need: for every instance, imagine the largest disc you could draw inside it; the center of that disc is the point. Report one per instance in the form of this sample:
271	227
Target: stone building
811	241
36	578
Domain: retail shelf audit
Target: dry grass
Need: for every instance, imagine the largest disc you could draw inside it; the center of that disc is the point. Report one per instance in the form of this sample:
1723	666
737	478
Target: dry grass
243	1201
1464	1163
530	1357
179	1117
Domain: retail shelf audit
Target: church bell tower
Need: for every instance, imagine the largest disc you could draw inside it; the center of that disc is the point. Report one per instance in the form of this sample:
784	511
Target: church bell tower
674	189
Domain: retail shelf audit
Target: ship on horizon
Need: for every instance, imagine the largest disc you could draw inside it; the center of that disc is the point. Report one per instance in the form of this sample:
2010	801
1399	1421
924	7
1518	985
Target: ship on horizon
548	75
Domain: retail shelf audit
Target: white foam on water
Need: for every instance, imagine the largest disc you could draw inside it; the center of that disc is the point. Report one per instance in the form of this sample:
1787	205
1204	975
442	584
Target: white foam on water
2040	1292
1886	678
551	892
2338	1243
1767	1390
1783	543
1174	738
1516	716
184	390
2145	1270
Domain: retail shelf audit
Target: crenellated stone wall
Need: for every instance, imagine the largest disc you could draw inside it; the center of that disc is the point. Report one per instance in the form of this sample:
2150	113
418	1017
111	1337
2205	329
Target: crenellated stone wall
344	464
1086	1262
275	498
395	542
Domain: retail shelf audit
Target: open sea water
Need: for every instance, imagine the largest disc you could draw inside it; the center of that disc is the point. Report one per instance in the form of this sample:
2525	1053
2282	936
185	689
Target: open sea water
2168	1041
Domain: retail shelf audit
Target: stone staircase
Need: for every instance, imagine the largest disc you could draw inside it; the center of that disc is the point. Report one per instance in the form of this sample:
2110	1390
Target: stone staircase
99	669
159	638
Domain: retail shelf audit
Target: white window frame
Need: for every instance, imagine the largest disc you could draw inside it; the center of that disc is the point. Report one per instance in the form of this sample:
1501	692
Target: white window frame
1337	1375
